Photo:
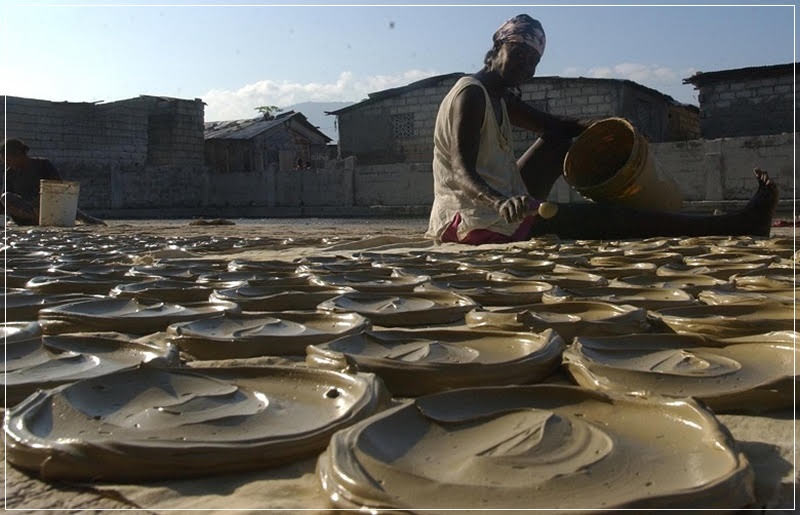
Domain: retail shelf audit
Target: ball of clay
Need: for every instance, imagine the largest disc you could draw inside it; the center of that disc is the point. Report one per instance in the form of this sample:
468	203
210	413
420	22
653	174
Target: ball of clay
548	210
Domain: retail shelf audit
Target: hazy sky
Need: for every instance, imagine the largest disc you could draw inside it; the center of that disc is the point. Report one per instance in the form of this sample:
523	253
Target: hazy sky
236	58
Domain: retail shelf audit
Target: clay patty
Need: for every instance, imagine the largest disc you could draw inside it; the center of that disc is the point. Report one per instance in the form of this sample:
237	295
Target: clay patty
546	446
152	423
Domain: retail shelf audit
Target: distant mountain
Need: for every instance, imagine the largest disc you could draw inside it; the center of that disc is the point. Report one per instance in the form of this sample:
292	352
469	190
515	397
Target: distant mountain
315	112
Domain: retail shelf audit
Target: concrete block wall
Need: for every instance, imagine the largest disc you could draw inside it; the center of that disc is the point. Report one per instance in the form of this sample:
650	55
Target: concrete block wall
66	132
368	131
108	147
747	106
722	169
397	184
573	98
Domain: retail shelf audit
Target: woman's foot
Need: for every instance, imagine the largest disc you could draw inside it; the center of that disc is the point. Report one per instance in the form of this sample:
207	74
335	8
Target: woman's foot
757	215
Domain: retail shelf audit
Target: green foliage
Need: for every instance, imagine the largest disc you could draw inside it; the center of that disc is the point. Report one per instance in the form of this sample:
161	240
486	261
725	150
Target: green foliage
268	111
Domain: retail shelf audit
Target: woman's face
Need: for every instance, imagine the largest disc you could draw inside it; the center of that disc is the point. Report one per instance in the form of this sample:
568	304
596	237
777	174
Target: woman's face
516	62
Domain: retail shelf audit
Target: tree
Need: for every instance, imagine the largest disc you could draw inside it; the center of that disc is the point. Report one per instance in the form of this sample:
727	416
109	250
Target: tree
269	111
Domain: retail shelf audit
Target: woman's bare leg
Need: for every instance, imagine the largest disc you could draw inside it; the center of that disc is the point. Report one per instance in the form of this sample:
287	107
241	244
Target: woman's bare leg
607	221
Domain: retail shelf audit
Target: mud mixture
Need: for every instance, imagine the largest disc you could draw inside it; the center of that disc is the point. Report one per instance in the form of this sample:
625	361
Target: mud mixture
653	318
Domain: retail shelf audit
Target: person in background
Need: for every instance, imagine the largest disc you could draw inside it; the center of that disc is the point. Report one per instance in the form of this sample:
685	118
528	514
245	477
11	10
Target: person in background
484	194
22	175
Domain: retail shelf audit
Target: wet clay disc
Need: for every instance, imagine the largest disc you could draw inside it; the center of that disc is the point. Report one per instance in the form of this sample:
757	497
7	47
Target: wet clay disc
164	290
152	423
417	362
109	271
646	298
546	447
614	272
735	377
370	282
15	332
262	334
566	279
222	279
259	298
716	258
180	272
71	283
270	266
122	315
773	278
569	319
716	297
515	265
726	321
493	293
24	305
46	362
728	271
653	259
657	258
388	310
691	284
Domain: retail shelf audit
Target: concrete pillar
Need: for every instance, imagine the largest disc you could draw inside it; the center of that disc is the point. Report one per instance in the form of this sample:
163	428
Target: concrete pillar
713	166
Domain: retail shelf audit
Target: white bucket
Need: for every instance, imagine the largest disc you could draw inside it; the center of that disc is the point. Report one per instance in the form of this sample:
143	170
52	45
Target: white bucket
58	202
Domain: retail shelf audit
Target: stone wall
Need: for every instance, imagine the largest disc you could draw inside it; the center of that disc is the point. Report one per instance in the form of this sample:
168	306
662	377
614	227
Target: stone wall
747	106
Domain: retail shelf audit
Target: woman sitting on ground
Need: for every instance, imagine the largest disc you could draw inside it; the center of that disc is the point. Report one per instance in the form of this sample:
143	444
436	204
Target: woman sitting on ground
483	194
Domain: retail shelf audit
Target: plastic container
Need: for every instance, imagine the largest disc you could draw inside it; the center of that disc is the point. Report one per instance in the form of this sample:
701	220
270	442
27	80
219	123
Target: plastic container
611	162
58	202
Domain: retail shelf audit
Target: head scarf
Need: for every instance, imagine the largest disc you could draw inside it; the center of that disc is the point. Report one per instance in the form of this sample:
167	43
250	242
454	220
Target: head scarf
522	29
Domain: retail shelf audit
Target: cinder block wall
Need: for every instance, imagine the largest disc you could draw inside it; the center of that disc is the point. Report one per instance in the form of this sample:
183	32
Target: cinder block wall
722	169
143	151
400	128
743	107
396	129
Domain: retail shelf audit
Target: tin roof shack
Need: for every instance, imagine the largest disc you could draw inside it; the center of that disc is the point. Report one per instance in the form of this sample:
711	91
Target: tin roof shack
255	144
745	101
396	125
137	152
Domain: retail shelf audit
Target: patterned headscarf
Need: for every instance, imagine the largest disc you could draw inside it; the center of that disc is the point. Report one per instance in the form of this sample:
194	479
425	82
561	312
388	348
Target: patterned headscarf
522	29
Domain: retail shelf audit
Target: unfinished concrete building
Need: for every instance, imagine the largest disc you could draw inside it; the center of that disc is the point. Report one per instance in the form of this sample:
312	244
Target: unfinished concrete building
137	152
287	141
746	101
396	125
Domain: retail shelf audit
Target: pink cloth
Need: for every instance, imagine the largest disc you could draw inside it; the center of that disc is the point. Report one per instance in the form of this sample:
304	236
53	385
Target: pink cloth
483	236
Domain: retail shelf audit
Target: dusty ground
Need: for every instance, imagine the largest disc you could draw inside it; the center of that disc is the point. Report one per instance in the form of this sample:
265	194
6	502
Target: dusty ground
771	453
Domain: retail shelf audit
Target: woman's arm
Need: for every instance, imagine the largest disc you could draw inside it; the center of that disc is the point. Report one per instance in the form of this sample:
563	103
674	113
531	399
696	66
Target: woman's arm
469	107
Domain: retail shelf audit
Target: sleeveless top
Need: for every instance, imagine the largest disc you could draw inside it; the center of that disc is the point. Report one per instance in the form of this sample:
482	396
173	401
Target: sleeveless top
496	164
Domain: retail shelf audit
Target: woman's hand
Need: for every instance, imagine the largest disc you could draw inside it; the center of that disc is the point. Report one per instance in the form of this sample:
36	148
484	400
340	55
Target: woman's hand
514	209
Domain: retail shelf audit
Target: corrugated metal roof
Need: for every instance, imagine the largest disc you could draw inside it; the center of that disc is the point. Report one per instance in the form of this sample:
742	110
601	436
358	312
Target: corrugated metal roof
752	72
252	127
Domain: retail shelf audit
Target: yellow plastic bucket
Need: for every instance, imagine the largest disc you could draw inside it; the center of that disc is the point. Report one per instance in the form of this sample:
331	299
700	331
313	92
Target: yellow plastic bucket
58	202
611	162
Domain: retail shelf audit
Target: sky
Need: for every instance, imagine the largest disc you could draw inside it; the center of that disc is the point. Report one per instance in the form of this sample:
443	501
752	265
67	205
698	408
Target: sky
238	57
